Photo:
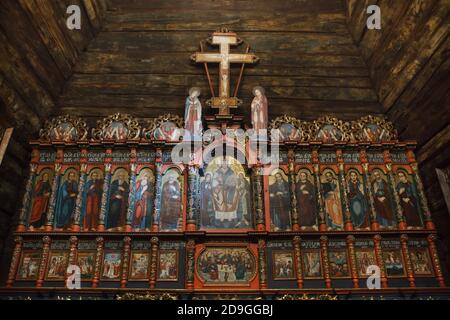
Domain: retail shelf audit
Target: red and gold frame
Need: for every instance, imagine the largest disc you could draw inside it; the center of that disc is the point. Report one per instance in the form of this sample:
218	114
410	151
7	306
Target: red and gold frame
252	283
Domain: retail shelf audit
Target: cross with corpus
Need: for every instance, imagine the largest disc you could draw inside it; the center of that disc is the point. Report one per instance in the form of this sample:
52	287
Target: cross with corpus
224	39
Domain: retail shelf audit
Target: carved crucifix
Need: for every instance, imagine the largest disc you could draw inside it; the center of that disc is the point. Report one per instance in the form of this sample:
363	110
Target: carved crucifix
225	40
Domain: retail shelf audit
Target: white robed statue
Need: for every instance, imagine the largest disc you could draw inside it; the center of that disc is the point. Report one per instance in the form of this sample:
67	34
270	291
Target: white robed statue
193	113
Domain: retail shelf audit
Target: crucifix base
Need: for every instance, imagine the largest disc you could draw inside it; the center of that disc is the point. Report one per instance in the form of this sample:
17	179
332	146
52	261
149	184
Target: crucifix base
221	122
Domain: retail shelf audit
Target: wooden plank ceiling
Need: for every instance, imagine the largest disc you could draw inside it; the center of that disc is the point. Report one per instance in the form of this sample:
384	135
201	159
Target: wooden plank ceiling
37	56
139	62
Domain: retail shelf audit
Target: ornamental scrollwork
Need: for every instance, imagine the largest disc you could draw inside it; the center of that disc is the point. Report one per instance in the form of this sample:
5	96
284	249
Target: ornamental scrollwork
117	127
290	128
374	129
64	128
167	127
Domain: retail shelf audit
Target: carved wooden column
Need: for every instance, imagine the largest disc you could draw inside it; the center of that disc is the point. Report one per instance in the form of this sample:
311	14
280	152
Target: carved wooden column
262	264
15	260
324	253
43	266
429	224
259	197
158	187
399	211
407	259
79	202
435	260
125	261
52	201
352	259
348	224
294	213
190	264
98	261
26	201
191	218
374	225
153	261
298	261
73	253
379	258
105	192
320	203
131	198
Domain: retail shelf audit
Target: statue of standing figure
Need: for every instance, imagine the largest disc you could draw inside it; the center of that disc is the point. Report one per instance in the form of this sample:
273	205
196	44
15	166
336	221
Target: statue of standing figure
259	109
193	113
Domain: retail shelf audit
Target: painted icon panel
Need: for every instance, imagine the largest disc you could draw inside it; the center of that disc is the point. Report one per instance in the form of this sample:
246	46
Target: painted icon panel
225	195
283	265
223	266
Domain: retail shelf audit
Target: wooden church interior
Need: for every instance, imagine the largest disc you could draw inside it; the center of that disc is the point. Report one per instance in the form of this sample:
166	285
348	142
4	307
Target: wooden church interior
317	58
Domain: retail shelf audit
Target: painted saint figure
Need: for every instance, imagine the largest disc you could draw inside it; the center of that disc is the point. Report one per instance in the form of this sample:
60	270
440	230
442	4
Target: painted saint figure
93	198
408	200
357	202
170	204
144	202
118	201
382	202
332	199
193	113
259	109
65	204
279	203
42	191
306	201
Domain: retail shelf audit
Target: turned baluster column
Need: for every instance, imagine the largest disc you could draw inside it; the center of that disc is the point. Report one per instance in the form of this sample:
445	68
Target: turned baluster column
298	261
294	212
435	260
52	201
324	253
153	261
79	202
158	187
105	193
407	259
131	198
73	253
429	224
191	220
352	259
15	260
262	264
125	261
98	261
26	201
43	266
379	258
190	259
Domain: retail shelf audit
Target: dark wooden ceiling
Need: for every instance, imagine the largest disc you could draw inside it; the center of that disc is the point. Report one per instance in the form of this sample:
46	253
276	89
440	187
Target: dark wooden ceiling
139	62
